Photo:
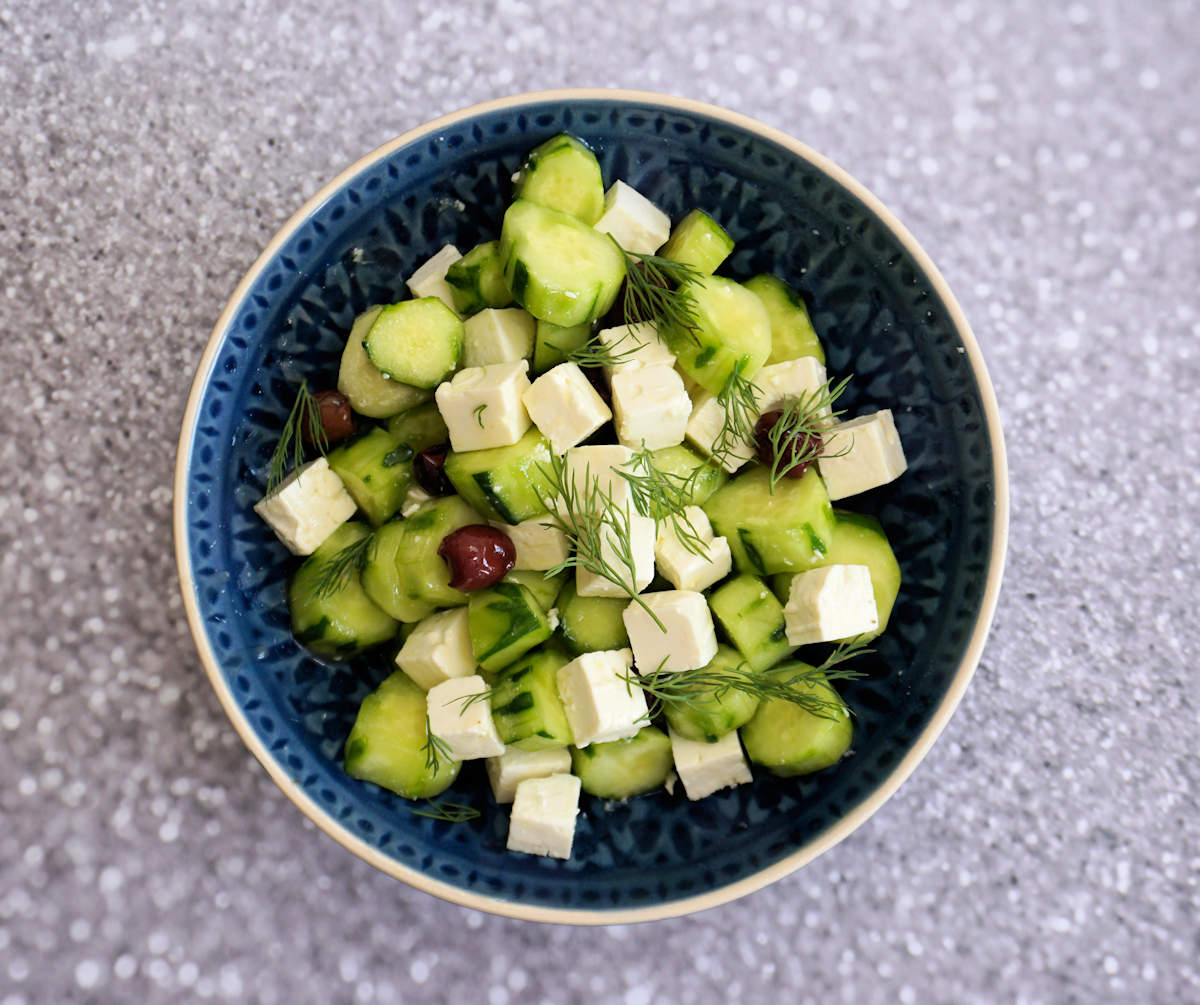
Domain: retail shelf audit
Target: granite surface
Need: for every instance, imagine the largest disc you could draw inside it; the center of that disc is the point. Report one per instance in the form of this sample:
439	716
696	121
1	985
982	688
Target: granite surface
1047	850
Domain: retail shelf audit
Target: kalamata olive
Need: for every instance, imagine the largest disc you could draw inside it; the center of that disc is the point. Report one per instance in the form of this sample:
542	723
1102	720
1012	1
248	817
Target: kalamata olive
478	556
796	451
428	469
337	418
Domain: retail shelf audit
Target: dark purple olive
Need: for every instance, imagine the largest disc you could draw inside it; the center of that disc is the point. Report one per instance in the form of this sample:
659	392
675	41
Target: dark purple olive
429	470
478	556
337	418
796	451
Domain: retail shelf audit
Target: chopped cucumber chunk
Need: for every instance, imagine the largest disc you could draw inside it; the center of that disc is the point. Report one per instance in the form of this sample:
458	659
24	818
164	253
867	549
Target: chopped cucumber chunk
477	281
545	588
422	570
788	740
526	708
591	624
416	341
709	712
552	343
750	615
369	392
792	333
506	622
384	580
733	330
699	241
504	482
683	462
563	174
376	469
621	769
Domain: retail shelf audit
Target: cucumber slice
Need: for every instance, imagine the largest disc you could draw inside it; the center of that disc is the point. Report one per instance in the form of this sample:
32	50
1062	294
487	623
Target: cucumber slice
792	333
620	769
416	341
383	580
526	708
563	174
752	618
419	427
707	716
859	540
552	343
422	570
683	461
591	624
506	622
376	469
387	744
788	530
699	241
545	590
559	269
503	482
477	281
369	392
732	330
344	623
787	740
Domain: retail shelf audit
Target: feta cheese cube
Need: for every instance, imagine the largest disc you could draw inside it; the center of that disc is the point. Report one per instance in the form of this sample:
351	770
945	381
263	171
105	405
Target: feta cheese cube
686	640
600	705
705	768
565	407
596	465
634	345
466	727
542	821
633	220
651	406
783	384
438	649
873	455
309	506
686	569
704	429
430	279
828	604
482	405
414	499
514	766
540	545
642	535
502	335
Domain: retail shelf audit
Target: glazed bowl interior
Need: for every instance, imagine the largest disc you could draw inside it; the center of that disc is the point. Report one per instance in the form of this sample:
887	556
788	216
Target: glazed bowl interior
884	315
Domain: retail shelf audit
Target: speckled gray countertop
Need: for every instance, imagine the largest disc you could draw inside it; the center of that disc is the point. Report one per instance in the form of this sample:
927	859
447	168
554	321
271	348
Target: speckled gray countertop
1048	849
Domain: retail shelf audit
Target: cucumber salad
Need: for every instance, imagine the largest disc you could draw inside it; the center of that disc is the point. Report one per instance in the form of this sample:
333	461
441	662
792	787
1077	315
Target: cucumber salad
583	488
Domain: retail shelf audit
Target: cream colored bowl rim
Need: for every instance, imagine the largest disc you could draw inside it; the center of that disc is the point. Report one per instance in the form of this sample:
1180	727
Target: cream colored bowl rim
812	848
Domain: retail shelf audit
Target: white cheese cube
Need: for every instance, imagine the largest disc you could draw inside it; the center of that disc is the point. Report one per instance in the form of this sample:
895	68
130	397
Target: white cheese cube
686	569
634	345
430	279
414	499
686	639
596	466
540	545
642	535
565	407
704	430
599	703
829	604
783	384
502	335
542	821
651	407
514	766
633	220
466	727
482	405
309	506
872	455
438	649
705	768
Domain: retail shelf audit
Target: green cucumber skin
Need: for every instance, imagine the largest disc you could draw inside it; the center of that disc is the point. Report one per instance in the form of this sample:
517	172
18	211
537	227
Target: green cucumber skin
563	162
682	461
787	740
792	332
752	618
591	624
476	280
526	708
699	241
545	589
384	581
423	572
504	483
417	342
708	717
367	468
622	769
505	622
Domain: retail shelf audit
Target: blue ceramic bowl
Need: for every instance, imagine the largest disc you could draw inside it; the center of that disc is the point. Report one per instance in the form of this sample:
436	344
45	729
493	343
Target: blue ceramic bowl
885	315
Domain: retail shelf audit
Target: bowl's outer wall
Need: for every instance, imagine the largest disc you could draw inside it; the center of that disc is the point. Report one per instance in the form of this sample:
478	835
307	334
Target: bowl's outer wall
881	320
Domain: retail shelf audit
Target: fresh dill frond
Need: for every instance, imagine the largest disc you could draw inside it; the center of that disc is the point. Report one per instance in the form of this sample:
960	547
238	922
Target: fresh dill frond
595	352
791	681
663	496
656	290
304	418
454	813
467	700
336	571
739	400
797	437
478	413
435	748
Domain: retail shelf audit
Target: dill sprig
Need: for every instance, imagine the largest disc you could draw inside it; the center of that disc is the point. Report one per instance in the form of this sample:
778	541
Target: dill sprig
478	413
595	527
436	749
304	418
739	399
656	290
790	681
336	571
595	353
802	425
454	813
663	495
467	700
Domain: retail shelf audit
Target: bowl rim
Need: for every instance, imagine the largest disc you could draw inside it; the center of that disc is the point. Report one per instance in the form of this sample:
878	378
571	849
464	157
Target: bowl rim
811	849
